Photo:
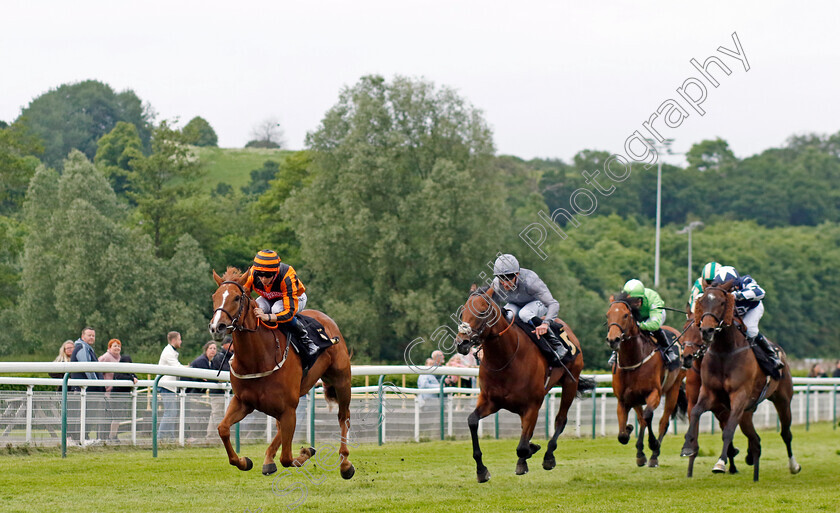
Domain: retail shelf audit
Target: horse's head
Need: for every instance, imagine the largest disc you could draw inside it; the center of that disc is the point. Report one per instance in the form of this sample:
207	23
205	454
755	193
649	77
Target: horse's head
478	316
693	346
714	309
621	320
230	302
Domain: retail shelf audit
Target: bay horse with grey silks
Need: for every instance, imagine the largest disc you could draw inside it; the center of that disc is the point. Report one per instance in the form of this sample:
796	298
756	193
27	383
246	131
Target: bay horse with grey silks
514	376
732	379
640	378
693	350
266	375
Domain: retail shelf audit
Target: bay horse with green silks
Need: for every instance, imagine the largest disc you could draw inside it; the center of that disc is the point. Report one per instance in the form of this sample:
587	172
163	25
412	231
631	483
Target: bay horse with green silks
266	375
641	379
515	376
732	379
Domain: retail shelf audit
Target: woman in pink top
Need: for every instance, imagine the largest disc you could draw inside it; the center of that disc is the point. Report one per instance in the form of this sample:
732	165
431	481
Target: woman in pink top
112	355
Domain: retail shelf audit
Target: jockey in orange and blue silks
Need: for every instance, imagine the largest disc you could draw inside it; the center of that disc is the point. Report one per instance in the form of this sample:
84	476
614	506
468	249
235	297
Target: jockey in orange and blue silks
282	295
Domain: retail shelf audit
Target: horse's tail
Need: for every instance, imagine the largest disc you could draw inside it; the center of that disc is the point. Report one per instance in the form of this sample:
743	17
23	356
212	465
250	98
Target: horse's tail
585	385
682	403
330	395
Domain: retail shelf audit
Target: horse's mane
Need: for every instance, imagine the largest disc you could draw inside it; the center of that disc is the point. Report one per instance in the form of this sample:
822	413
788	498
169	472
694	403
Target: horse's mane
624	297
232	274
482	291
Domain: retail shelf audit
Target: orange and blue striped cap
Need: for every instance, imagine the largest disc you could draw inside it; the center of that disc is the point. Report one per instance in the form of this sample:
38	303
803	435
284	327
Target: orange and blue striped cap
267	260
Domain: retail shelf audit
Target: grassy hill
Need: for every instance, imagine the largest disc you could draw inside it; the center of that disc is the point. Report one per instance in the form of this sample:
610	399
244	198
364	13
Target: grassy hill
234	165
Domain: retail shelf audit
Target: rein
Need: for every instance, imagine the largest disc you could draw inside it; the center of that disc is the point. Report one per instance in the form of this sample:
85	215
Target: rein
465	329
625	337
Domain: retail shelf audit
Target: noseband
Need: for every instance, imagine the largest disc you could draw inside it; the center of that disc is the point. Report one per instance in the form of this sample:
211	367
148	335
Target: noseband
718	320
617	325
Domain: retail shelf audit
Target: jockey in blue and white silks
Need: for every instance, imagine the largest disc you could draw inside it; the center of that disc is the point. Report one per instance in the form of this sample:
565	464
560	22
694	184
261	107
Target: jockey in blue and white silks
749	307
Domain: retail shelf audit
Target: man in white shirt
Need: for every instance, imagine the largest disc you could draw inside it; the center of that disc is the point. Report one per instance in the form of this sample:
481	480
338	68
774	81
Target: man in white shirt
168	387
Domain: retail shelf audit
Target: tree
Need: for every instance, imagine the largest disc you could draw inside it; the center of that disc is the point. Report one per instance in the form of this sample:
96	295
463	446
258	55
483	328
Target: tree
18	161
266	134
78	115
198	132
710	154
160	185
261	177
116	151
394	224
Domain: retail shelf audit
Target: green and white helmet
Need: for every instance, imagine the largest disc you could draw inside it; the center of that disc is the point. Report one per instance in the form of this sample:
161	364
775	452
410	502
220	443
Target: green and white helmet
710	270
634	288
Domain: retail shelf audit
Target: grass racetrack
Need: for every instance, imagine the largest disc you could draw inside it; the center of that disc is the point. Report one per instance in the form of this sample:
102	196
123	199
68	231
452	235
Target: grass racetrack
591	475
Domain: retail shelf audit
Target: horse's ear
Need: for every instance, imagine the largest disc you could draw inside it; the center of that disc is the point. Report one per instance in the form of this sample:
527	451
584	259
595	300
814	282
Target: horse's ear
243	280
698	312
490	292
729	313
612	298
217	278
728	285
473	288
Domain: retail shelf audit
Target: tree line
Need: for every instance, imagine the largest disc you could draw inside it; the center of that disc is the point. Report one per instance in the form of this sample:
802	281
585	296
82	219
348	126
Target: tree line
394	208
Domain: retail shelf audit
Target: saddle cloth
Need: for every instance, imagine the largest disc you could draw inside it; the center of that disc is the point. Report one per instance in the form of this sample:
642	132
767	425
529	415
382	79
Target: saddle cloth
542	344
316	333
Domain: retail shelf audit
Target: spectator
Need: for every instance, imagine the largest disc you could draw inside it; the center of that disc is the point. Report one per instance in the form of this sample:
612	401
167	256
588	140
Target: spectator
426	381
208	361
121	397
223	356
836	373
112	405
83	352
437	358
65	352
168	387
456	361
817	371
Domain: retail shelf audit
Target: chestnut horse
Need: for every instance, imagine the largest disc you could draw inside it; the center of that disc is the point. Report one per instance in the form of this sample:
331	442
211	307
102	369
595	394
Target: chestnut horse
640	378
266	375
732	379
693	350
514	376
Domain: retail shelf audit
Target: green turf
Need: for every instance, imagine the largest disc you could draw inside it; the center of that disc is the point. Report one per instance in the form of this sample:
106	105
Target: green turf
591	475
234	165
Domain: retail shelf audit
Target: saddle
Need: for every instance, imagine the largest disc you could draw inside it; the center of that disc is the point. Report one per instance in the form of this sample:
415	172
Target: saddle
317	334
543	345
672	356
764	361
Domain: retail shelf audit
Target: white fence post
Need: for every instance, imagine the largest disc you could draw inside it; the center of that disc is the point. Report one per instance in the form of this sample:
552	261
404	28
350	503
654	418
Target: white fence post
29	414
82	415
182	396
134	416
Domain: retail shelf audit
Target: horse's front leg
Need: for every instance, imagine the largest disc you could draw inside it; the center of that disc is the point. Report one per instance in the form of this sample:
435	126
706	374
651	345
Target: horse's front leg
691	447
237	410
483	408
287	432
269	467
569	391
526	449
737	403
624	429
641	459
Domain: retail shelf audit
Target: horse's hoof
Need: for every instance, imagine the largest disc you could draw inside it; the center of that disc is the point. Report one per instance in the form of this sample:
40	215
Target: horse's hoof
549	464
687	452
248	464
521	469
653	463
350	472
719	468
269	469
641	461
483	475
732	469
534	448
310	451
796	470
623	438
749	458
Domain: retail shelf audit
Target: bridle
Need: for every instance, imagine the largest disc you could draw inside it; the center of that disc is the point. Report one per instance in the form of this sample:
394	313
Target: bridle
617	325
475	336
718	320
243	301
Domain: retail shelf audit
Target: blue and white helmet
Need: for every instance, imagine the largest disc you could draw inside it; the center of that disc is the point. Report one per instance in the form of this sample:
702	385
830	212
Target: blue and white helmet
725	274
506	265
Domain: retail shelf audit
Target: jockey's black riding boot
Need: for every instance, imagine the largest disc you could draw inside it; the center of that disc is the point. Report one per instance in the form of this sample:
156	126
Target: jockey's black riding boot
554	343
764	344
299	331
662	342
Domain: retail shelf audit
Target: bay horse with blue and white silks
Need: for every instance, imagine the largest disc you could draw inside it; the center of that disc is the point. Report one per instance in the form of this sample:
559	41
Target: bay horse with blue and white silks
266	375
732	379
640	378
514	376
693	350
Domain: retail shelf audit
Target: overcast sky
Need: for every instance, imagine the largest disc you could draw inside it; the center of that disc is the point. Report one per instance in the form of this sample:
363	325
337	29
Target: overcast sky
552	78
